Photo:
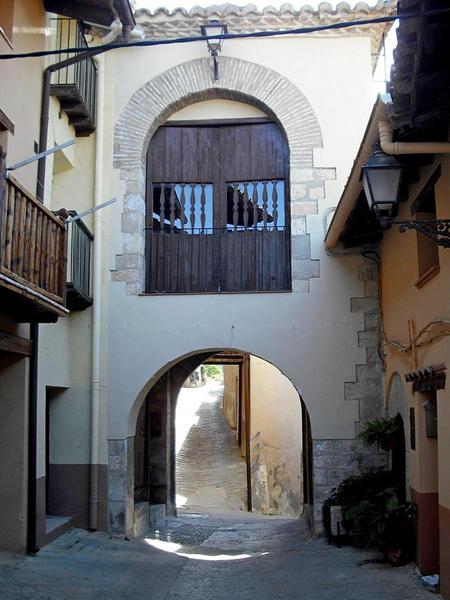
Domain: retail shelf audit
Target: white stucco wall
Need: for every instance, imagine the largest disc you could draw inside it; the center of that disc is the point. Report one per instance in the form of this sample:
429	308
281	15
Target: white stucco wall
311	337
65	358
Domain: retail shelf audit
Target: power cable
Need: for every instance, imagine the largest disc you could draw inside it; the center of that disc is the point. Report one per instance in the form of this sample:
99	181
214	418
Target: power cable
230	36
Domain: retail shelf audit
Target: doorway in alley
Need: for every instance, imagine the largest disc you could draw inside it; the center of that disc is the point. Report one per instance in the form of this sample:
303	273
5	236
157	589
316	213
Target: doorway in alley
223	431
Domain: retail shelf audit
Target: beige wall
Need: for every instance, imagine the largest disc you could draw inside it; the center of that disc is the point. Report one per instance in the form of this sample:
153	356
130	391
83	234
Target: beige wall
64	347
20	91
217	109
403	301
275	441
231	394
293	322
14	444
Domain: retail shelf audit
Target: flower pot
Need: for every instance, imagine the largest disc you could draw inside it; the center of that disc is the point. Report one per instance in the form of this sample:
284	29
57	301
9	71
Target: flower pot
396	555
389	444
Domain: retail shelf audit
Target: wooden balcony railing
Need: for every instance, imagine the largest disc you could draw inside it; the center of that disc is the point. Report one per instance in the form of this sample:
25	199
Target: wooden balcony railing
186	252
33	246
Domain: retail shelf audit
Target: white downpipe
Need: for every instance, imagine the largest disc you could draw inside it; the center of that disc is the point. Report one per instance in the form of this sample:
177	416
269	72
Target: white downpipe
386	132
378	128
97	295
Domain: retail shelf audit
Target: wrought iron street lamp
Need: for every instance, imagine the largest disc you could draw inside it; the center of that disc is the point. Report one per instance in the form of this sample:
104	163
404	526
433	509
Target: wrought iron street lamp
211	30
382	178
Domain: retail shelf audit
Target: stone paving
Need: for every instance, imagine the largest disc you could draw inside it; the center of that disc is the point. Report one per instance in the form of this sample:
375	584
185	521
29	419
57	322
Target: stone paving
211	474
199	557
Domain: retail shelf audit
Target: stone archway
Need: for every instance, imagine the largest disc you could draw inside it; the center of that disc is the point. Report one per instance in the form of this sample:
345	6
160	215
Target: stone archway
191	82
159	399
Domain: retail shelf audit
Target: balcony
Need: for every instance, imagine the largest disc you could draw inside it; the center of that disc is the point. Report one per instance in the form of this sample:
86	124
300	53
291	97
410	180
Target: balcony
76	85
186	253
79	259
32	257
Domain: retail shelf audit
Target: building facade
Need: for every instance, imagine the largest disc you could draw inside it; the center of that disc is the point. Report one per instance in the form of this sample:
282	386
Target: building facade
412	275
224	188
170	115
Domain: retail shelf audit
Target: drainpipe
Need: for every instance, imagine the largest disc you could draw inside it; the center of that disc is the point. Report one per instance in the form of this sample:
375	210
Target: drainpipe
96	292
32	537
386	132
379	128
126	17
32	541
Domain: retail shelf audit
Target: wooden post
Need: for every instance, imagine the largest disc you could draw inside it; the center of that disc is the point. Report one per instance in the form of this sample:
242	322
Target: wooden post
2	197
412	335
245	388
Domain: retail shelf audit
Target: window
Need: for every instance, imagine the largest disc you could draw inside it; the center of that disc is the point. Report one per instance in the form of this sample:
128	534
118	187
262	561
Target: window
424	209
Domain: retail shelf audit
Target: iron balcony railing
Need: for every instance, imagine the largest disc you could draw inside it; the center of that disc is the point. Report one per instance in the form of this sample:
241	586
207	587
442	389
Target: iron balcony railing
79	265
75	85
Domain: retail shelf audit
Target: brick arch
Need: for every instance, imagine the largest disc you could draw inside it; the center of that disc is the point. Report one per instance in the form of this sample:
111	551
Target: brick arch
187	83
191	82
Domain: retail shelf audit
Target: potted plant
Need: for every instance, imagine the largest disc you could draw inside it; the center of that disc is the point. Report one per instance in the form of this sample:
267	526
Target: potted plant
381	432
392	528
359	521
353	490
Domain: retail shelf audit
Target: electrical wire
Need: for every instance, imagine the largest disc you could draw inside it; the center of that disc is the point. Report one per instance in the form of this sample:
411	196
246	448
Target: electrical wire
230	36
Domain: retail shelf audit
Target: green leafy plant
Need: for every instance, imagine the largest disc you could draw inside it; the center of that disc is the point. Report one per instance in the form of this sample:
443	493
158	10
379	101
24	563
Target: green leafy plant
392	529
381	432
353	490
214	372
386	523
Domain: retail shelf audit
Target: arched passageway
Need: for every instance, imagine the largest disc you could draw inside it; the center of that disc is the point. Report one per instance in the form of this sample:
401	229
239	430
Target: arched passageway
210	459
256	416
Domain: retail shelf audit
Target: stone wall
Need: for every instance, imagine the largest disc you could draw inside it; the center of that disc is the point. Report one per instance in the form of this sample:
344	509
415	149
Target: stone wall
334	460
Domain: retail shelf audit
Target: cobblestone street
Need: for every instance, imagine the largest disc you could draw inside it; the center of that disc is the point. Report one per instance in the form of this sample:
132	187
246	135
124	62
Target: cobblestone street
198	557
210	471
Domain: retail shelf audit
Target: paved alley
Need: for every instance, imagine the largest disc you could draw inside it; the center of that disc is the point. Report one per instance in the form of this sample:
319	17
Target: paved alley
198	557
211	474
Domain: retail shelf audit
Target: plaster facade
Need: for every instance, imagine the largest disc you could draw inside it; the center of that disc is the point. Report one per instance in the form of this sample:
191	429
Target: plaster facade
64	356
406	300
286	329
321	335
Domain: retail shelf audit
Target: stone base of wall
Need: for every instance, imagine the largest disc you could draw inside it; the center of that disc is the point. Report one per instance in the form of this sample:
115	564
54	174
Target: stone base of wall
335	460
121	487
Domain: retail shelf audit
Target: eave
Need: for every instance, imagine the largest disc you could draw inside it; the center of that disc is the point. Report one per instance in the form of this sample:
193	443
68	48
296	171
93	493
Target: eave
353	187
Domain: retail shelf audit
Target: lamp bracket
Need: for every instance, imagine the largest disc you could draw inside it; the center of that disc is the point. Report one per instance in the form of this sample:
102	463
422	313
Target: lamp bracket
439	230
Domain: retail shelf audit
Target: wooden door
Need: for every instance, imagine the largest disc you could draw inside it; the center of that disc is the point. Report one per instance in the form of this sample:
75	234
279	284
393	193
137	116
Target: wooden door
217	215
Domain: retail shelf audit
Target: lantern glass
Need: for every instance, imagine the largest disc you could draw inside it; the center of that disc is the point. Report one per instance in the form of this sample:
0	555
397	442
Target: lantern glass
381	182
211	29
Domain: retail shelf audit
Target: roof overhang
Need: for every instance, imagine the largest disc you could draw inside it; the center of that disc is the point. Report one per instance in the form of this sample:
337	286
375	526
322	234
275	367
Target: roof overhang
161	23
353	187
97	12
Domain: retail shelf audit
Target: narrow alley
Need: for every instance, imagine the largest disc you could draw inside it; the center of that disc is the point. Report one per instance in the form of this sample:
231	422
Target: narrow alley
211	474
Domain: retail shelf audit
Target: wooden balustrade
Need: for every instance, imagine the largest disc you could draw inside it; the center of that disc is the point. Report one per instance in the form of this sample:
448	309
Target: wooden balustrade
204	238
33	244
